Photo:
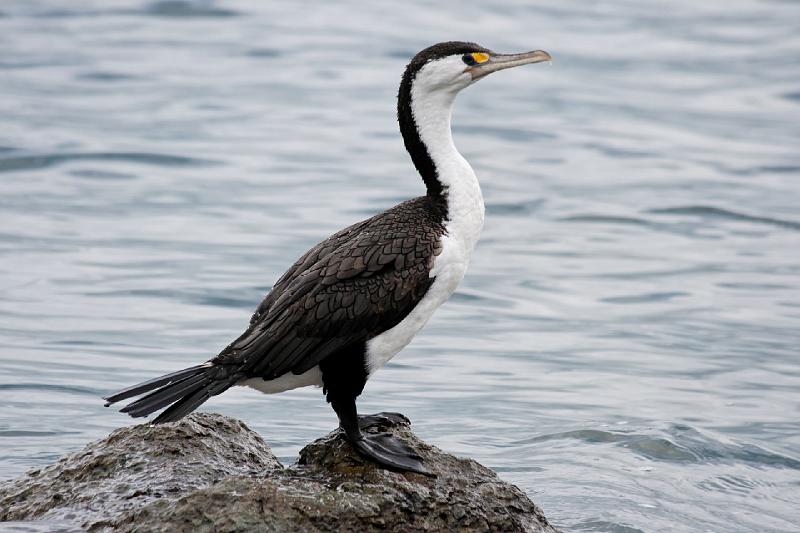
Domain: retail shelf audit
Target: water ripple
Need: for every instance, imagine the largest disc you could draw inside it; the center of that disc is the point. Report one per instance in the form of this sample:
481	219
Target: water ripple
70	389
38	162
43	526
233	298
607	219
652	297
633	301
680	444
719	213
187	8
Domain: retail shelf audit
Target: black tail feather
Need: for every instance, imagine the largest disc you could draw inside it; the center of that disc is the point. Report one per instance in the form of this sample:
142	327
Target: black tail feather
191	402
186	390
149	385
164	396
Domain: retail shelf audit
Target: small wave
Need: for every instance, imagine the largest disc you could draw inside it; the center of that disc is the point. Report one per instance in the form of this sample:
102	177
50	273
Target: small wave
22	433
242	299
163	8
263	52
473	298
620	153
102	175
64	343
730	484
603	219
42	526
520	208
103	76
36	162
652	447
401	54
633	222
678	443
508	134
716	212
661	449
779	169
753	286
650	297
606	527
49	388
792	96
185	8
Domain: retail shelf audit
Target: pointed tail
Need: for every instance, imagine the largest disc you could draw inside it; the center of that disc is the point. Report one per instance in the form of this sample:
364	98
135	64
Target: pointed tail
183	391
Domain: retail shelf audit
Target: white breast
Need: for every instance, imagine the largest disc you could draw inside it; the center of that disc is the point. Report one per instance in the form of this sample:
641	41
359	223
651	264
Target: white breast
449	269
465	212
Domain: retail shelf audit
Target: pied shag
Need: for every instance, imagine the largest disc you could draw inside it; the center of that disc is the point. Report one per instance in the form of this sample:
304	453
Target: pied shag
357	298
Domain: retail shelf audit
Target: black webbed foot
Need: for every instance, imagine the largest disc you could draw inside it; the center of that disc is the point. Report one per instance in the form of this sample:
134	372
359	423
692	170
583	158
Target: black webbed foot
383	419
389	451
383	448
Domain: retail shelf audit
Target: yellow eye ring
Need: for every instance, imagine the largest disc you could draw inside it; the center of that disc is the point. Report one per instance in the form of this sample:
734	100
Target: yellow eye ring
480	57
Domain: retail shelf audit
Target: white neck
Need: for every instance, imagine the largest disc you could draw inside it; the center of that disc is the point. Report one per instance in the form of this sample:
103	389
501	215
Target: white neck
432	111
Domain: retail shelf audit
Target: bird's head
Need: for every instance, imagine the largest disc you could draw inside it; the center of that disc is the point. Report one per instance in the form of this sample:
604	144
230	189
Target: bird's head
451	66
427	91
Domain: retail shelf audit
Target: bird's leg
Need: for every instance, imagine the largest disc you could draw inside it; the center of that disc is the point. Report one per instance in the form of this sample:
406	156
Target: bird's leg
383	448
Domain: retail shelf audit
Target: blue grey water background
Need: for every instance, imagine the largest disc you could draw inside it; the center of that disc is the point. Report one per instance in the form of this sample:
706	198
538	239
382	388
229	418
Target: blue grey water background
625	344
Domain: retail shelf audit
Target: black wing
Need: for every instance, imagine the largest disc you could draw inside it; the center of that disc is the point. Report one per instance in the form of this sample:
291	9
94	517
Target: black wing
349	288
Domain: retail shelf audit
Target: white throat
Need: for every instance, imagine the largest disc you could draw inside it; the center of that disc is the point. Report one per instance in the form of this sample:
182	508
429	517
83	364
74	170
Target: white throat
432	110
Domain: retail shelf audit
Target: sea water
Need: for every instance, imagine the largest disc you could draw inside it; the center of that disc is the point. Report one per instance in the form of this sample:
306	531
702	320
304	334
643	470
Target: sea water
625	344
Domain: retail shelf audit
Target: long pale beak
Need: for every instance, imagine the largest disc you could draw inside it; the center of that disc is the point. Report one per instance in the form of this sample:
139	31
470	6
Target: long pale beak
503	61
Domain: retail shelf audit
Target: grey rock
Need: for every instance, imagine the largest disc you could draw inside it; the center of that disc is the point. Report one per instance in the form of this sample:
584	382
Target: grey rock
210	473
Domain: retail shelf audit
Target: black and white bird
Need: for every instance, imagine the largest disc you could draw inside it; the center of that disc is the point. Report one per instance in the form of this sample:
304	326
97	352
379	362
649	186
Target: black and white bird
356	299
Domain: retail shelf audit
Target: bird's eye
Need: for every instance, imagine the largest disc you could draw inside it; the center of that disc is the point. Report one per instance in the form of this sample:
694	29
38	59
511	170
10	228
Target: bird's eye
475	58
